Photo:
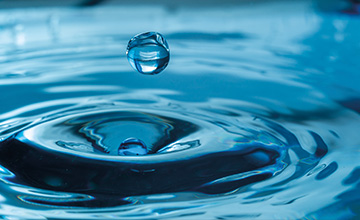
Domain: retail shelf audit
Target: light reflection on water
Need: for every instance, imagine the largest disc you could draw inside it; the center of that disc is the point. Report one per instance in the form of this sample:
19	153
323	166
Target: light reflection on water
256	115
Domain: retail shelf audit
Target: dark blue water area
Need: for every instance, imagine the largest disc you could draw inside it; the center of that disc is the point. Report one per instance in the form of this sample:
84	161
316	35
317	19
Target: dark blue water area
255	116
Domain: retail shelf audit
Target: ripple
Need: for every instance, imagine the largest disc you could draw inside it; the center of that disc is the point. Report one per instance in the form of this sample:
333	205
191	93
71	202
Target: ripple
184	152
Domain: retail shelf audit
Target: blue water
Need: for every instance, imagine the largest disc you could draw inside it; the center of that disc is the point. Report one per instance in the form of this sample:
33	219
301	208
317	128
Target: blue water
256	115
132	146
148	53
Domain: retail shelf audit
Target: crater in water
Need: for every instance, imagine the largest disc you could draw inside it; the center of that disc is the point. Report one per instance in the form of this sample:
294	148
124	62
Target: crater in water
78	151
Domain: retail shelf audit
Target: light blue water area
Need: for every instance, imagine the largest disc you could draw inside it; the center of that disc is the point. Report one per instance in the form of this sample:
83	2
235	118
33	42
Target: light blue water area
256	115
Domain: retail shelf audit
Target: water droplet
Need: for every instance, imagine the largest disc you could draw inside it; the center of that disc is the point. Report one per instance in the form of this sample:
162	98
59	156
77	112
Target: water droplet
132	147
148	53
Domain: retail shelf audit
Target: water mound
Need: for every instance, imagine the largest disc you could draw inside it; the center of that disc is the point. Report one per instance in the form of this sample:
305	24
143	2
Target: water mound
132	146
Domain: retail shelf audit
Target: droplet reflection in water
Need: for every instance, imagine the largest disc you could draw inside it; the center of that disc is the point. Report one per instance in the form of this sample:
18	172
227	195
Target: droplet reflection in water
148	53
132	147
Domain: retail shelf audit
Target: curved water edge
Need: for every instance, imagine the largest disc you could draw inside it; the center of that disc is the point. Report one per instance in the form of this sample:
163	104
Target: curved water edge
246	149
244	123
179	143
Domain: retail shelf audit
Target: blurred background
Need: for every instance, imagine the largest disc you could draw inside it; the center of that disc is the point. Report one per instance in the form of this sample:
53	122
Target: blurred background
323	4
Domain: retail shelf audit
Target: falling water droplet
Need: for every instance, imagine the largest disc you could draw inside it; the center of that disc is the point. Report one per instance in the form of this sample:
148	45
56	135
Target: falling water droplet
148	53
132	147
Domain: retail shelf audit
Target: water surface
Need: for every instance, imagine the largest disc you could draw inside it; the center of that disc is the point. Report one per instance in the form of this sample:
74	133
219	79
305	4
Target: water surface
255	117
